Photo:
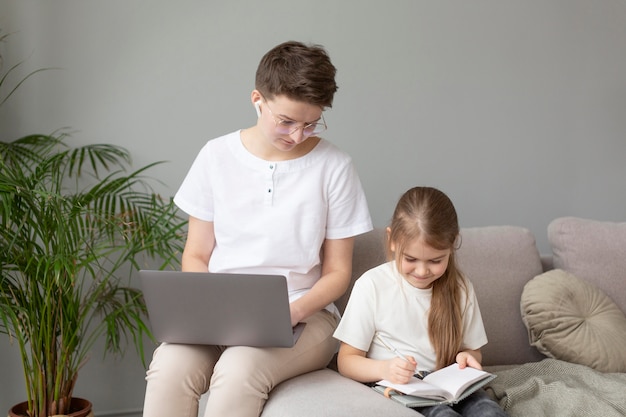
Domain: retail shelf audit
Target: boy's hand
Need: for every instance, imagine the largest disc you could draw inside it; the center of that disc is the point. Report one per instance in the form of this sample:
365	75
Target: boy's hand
399	371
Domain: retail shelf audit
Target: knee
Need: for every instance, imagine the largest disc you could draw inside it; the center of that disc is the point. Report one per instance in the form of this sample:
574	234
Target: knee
483	405
189	365
235	365
439	411
241	368
490	408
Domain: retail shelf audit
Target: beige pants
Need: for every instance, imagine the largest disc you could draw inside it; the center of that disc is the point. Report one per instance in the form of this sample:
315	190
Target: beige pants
239	378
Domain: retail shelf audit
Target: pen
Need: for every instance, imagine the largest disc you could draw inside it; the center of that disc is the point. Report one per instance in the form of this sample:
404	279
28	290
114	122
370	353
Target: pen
392	348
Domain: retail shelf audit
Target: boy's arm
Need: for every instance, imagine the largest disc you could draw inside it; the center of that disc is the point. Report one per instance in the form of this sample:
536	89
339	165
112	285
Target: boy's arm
336	275
199	245
352	363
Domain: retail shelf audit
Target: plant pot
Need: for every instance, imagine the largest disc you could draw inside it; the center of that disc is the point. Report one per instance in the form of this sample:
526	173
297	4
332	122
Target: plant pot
79	408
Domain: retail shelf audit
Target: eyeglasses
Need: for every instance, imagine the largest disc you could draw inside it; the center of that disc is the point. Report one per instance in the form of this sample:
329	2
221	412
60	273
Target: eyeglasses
288	127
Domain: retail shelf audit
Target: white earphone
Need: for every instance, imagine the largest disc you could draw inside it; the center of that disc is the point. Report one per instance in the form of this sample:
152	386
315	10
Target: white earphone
257	106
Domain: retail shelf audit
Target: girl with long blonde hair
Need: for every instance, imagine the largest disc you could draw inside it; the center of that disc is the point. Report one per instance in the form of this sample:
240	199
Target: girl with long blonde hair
419	303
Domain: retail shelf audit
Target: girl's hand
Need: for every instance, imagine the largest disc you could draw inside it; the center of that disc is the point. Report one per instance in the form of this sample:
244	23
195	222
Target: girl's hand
399	371
466	358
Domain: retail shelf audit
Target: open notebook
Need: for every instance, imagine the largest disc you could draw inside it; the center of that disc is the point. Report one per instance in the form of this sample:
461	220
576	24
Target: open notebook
219	309
445	386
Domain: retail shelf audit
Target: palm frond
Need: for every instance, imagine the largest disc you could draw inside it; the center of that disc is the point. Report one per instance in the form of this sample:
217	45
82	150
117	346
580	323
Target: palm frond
75	222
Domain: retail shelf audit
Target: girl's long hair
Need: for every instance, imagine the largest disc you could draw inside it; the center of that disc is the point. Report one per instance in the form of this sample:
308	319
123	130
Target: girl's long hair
428	214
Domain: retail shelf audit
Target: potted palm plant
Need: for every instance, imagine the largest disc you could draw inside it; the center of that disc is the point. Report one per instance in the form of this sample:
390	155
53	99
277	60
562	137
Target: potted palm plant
75	222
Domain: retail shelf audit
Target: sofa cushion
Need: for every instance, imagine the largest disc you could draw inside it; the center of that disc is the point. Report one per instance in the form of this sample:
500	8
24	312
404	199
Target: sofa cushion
593	251
499	261
326	393
369	252
572	320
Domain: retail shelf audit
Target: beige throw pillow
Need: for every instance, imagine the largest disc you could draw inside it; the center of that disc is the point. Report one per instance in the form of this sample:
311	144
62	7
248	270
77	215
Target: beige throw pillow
572	320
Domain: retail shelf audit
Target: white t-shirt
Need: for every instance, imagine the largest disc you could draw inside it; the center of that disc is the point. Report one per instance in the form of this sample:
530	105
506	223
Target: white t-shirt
383	302
272	217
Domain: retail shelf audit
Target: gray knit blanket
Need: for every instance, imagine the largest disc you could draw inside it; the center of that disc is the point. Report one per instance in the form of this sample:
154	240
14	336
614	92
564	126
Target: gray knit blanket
557	389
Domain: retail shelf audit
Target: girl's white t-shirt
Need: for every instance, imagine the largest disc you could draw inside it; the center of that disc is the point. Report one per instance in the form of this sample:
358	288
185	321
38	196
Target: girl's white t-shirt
383	302
272	217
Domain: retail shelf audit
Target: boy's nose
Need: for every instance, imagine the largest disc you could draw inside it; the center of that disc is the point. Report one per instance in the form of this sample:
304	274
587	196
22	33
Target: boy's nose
298	135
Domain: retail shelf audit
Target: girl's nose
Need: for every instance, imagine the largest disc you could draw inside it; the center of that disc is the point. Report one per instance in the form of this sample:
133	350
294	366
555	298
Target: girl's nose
421	269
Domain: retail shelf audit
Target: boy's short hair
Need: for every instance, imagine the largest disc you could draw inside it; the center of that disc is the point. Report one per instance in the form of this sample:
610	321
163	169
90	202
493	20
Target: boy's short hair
298	71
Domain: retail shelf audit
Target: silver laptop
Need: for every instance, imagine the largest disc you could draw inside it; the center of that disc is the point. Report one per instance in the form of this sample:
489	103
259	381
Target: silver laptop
219	309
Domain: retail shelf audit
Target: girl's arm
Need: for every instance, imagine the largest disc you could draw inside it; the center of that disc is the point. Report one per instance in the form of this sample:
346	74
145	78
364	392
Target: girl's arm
471	358
353	364
336	274
199	245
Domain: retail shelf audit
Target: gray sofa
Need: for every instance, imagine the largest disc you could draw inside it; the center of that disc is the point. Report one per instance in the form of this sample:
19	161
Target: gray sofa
500	261
557	346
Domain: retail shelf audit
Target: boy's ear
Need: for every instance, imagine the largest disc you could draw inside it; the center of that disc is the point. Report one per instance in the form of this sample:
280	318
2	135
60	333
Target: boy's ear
256	97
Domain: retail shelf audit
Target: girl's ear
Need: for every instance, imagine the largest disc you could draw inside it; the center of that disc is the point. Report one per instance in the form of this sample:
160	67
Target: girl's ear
390	244
457	242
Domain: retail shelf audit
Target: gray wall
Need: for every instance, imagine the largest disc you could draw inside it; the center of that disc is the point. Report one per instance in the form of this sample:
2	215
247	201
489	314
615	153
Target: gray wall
517	109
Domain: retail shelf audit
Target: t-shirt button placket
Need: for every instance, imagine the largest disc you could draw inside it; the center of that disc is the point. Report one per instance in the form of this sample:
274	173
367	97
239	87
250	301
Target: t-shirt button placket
270	185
